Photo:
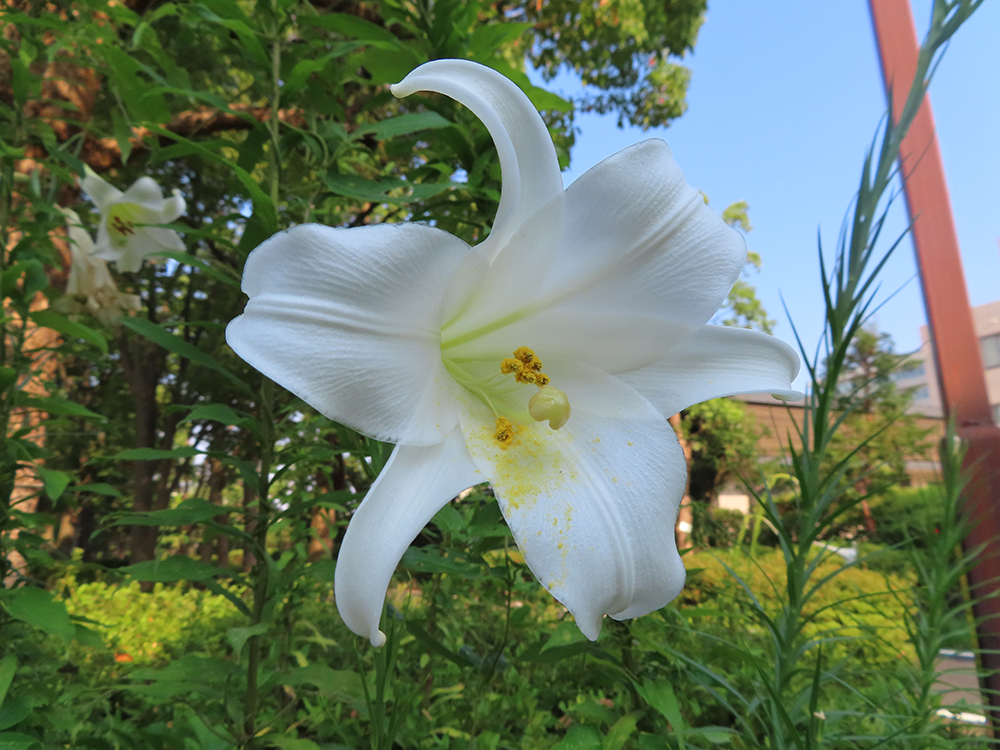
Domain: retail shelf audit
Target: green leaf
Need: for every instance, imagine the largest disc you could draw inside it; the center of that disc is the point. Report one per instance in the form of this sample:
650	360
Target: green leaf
247	36
405	124
70	328
377	191
176	568
140	98
340	684
238	637
154	454
55	482
219	413
36	607
8	666
485	40
291	743
8	376
123	134
15	710
351	26
217	272
54	405
619	733
430	560
179	346
87	637
263	206
192	510
304	68
16	741
97	488
580	737
660	695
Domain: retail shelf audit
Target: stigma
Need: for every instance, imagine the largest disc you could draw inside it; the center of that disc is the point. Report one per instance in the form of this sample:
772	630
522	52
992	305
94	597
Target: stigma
550	404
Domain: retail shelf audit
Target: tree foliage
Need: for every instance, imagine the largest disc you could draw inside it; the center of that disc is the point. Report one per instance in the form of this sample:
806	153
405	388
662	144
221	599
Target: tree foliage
879	435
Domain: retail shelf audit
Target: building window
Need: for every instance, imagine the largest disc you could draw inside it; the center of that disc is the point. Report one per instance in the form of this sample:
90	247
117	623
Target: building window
991	350
920	394
909	371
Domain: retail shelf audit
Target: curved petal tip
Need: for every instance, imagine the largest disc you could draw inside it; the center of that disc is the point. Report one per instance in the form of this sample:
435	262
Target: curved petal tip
377	637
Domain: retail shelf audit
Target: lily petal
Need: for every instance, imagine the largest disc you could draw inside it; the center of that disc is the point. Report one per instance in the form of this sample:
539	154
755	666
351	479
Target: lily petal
349	320
592	506
101	192
630	238
146	193
717	361
528	160
638	238
383	527
165	239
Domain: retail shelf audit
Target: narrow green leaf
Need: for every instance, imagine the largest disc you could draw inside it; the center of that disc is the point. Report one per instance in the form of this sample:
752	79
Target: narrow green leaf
660	695
485	40
179	346
98	488
193	510
8	666
123	134
430	560
153	454
351	26
218	413
283	742
620	731
54	405
170	569
405	124
61	324
16	741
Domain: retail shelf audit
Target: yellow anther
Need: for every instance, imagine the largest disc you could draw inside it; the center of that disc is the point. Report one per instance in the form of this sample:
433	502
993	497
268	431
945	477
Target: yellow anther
505	431
528	357
507	366
525	366
122	218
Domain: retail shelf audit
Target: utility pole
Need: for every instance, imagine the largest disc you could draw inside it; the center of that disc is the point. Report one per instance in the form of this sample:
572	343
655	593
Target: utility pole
957	355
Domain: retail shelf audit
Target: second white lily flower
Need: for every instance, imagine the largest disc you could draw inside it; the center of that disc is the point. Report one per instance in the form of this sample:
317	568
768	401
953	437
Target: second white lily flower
124	235
600	293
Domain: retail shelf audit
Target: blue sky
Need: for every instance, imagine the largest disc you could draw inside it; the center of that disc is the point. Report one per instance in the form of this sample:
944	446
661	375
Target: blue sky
785	98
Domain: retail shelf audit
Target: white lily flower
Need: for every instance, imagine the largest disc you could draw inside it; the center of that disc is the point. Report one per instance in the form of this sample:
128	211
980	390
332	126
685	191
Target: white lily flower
123	235
408	335
90	286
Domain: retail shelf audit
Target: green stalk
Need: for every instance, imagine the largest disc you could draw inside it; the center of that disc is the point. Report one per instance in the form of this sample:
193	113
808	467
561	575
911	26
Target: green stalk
261	572
848	291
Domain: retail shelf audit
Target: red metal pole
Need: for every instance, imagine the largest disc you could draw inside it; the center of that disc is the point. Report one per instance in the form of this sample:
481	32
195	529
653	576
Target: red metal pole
957	354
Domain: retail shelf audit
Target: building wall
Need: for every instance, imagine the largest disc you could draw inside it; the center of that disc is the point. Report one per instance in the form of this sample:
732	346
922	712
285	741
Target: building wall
986	319
780	421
